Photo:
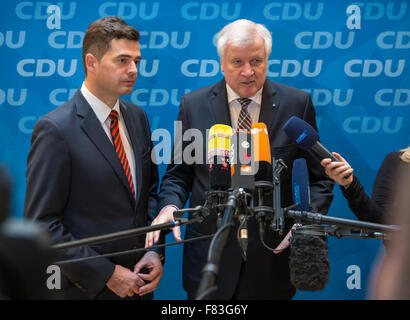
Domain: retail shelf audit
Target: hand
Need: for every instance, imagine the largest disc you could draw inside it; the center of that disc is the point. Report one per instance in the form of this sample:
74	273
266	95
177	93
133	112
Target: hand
165	215
150	261
338	170
124	282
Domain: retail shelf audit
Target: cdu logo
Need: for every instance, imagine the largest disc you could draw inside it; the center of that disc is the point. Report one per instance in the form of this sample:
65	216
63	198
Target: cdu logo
374	68
46	68
11	97
324	40
372	125
291	11
293	68
161	39
129	10
211	11
12	40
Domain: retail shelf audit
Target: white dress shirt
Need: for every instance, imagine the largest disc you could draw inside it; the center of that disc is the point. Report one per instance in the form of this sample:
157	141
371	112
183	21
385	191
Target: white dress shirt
235	107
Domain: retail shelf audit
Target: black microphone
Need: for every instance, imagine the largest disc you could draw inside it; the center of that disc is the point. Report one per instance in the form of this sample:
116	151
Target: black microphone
242	161
243	177
308	261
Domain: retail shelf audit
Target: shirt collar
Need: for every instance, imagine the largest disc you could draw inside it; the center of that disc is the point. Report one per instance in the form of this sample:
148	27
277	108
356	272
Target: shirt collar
101	110
232	95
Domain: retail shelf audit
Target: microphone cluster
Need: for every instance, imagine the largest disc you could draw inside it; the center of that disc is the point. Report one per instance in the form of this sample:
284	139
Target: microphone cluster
240	163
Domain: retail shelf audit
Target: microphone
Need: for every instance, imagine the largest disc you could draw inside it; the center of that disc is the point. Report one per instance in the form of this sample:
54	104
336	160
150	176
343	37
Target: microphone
219	137
300	185
243	177
308	260
262	155
219	156
242	160
306	137
263	177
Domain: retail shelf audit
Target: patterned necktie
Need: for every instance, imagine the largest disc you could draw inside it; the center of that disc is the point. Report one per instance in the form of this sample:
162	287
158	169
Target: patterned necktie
119	149
244	120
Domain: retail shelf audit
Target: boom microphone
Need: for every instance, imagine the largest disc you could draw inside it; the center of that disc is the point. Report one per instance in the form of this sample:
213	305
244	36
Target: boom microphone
308	260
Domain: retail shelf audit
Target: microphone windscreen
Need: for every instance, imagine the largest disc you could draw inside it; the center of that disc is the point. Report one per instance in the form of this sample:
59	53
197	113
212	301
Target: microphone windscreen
261	145
262	154
308	262
219	156
301	132
300	185
219	138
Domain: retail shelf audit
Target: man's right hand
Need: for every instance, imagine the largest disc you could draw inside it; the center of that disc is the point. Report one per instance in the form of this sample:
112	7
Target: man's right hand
124	282
165	215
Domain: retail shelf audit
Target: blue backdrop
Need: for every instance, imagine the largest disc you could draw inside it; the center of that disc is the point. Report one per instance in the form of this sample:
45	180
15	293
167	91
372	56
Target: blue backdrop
354	65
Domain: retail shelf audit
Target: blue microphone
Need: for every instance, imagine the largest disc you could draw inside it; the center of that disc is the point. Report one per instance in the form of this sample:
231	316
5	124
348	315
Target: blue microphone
300	185
306	137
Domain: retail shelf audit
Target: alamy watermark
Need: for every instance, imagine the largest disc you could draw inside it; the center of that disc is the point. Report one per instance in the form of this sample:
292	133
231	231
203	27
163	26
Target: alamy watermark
188	146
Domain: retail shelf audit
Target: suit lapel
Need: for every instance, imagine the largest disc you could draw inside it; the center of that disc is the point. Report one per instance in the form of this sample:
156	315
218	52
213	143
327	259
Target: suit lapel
269	106
93	129
219	104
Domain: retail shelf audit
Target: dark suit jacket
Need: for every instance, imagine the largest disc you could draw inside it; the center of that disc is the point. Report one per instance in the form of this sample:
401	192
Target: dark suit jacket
265	275
77	188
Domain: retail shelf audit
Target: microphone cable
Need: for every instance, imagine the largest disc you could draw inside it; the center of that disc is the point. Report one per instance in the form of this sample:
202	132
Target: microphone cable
261	237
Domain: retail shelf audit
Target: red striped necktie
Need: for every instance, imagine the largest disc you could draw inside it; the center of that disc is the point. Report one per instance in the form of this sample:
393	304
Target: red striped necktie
244	120
119	149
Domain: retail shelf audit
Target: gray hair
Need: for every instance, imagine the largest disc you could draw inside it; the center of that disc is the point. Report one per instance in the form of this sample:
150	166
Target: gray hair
242	33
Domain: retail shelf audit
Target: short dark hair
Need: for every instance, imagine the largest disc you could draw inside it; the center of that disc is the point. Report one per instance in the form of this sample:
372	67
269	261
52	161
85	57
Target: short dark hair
97	38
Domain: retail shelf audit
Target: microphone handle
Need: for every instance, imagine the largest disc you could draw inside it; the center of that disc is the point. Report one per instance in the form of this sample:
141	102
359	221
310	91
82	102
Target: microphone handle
322	152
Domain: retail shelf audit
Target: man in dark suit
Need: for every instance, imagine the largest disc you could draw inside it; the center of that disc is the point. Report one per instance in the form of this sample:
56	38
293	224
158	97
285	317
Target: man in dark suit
90	171
244	48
